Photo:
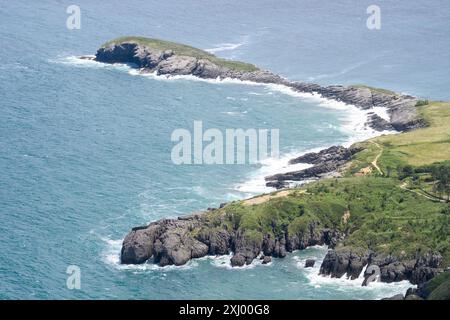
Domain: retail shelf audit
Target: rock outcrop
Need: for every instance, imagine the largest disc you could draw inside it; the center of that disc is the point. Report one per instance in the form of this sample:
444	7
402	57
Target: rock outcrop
403	114
388	268
309	263
326	163
176	241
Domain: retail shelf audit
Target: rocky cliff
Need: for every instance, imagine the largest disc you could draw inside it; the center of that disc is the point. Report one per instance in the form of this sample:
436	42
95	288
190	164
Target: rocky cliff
176	241
326	163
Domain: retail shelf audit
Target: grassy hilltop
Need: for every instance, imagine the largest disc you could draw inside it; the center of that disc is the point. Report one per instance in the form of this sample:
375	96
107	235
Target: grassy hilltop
183	50
416	148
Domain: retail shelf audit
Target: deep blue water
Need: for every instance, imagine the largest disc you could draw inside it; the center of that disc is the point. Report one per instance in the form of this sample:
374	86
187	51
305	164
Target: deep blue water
85	148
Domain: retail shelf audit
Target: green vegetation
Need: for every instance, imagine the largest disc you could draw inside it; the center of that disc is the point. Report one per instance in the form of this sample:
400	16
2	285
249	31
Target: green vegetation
442	292
375	212
184	50
421	103
400	210
438	288
379	90
415	148
423	146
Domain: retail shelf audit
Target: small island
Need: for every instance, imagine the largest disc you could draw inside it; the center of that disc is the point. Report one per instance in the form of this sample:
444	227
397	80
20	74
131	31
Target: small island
382	202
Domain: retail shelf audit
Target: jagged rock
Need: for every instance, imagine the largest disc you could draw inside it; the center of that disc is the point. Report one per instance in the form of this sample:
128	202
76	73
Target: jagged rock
335	153
401	108
238	260
309	263
277	184
396	297
325	162
338	263
343	261
245	246
376	122
218	240
137	246
266	260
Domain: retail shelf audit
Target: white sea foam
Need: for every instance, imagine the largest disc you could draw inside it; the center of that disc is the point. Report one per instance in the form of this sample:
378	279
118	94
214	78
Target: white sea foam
381	112
255	183
224	47
225	262
378	289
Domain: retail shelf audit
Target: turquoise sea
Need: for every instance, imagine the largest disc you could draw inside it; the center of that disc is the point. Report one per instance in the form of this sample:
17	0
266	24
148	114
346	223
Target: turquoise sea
85	147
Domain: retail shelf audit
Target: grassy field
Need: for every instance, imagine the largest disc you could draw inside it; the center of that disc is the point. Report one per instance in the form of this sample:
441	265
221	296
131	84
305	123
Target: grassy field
380	90
417	148
181	49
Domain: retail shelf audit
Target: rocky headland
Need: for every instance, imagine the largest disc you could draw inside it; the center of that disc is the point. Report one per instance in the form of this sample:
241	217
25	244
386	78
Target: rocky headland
222	231
172	59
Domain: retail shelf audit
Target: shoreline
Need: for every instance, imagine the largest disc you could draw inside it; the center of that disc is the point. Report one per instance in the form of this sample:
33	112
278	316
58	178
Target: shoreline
358	130
209	233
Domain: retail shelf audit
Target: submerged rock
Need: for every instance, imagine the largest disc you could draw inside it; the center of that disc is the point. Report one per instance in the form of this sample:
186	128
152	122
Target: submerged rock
309	263
345	262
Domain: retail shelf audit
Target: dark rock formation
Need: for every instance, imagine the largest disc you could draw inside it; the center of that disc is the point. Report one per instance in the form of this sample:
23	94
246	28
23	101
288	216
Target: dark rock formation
266	260
176	241
309	263
326	163
376	122
344	261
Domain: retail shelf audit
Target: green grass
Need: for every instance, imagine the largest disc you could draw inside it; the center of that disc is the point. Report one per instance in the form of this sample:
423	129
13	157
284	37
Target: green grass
417	148
383	216
421	103
184	50
379	90
430	288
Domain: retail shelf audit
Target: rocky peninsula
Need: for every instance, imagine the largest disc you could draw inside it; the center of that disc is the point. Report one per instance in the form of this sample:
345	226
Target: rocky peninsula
359	218
172	59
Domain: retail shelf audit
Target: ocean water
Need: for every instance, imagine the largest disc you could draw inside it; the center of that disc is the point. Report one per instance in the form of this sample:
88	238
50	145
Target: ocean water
85	147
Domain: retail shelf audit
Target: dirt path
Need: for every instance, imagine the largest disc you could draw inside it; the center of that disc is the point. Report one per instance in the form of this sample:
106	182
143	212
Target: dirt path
404	187
267	197
374	164
375	161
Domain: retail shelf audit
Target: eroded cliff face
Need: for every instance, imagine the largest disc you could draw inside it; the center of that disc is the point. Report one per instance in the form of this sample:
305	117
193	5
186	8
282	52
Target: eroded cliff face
350	263
402	110
176	241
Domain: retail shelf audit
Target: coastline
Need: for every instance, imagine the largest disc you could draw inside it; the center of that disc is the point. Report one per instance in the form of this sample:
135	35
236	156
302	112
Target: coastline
177	241
357	127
